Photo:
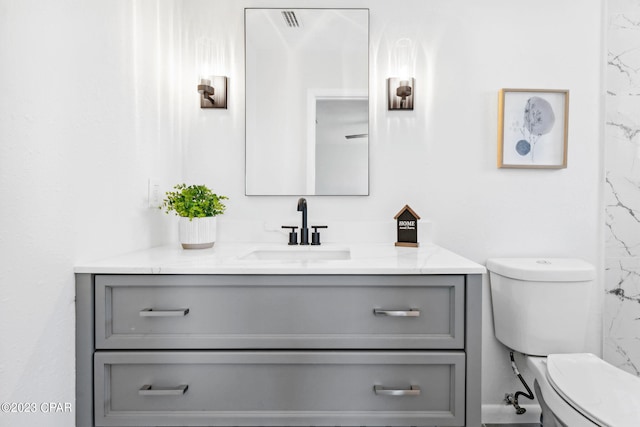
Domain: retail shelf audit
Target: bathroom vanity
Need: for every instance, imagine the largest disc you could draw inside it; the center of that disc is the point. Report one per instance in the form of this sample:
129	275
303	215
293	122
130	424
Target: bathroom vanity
253	335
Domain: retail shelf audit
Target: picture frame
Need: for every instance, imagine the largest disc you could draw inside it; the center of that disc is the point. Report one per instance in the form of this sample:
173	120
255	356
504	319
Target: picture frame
533	127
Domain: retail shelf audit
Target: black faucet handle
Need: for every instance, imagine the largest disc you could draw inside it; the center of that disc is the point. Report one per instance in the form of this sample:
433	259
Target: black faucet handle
315	236
293	236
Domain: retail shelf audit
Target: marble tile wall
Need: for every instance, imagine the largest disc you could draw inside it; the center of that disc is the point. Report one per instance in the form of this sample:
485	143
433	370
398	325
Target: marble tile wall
622	191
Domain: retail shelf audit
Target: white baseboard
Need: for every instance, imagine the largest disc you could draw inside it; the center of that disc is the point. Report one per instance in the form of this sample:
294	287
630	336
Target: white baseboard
506	414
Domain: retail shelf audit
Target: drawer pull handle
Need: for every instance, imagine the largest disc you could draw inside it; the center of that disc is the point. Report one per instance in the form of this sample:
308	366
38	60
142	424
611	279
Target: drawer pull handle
147	390
150	312
381	391
396	313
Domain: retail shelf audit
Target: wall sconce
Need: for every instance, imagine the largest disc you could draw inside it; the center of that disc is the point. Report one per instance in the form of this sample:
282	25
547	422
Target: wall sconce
213	92
400	93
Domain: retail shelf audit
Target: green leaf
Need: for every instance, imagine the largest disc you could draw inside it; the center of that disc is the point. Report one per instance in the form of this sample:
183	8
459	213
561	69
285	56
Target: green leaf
194	201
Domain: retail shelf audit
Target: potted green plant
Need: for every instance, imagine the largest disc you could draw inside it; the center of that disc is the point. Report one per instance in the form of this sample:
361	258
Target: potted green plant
197	206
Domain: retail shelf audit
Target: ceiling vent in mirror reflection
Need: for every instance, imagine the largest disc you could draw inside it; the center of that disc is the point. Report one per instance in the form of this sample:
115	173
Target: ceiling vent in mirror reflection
290	18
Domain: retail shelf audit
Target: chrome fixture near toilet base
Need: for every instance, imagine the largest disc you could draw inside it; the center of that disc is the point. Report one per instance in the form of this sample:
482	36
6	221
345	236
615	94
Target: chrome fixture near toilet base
512	399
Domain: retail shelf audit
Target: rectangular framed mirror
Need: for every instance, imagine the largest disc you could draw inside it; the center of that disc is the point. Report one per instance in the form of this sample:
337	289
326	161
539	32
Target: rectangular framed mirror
307	101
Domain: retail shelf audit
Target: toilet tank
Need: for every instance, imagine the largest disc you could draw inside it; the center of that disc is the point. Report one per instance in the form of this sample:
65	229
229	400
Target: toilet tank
540	305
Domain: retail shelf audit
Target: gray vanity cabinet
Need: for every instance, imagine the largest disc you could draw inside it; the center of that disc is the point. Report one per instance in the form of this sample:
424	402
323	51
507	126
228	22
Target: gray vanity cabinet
278	350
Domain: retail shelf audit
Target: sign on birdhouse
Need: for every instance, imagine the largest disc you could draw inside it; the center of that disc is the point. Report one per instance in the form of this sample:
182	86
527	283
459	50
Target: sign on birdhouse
407	227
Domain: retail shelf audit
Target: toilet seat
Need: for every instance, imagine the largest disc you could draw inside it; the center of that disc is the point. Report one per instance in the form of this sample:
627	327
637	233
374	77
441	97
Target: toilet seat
606	395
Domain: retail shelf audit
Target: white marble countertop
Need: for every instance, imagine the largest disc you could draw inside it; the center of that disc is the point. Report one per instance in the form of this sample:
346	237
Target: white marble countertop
235	258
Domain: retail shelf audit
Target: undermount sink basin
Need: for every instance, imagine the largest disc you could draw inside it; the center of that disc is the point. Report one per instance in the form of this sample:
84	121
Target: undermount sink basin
300	253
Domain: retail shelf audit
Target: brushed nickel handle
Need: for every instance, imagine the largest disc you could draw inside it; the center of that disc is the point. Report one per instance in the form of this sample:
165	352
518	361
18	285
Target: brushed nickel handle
413	312
382	391
148	390
150	312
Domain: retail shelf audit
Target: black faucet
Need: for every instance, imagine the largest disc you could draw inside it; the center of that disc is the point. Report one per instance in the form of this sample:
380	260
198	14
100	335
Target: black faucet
304	231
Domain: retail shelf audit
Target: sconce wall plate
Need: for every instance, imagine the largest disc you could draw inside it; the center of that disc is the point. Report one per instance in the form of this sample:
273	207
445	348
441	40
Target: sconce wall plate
400	93
213	92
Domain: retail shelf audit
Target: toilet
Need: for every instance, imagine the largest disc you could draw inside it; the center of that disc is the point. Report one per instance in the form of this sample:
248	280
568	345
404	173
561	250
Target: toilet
540	309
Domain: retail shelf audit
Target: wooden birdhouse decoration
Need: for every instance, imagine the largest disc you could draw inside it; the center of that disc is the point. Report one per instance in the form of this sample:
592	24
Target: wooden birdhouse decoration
407	227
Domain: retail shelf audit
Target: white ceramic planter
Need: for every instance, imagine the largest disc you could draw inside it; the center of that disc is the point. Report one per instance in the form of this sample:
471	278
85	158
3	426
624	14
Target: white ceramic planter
197	233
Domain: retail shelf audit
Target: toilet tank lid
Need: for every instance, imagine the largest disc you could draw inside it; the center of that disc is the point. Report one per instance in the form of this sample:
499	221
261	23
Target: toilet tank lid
543	269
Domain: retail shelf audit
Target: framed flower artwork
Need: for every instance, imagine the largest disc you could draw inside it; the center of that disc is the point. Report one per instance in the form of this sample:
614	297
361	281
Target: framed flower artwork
533	128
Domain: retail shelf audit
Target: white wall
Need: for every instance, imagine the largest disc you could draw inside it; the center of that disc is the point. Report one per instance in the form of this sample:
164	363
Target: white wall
86	115
441	157
100	95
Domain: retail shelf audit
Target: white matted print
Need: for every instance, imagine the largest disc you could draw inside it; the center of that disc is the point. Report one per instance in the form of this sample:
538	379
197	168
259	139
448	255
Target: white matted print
533	128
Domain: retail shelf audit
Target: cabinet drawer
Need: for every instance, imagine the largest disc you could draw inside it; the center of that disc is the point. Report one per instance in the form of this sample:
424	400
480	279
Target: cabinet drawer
259	312
279	388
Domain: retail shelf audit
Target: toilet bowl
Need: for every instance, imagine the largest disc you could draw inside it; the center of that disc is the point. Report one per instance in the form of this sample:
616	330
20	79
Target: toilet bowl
540	309
580	389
